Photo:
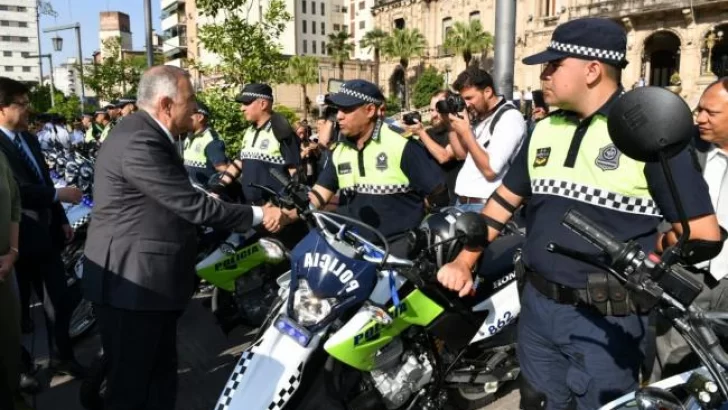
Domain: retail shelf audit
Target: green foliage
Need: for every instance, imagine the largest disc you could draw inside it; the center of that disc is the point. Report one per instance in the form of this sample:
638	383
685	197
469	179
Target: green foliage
339	48
286	112
68	107
247	48
375	40
303	70
429	82
392	107
675	79
468	39
40	98
403	45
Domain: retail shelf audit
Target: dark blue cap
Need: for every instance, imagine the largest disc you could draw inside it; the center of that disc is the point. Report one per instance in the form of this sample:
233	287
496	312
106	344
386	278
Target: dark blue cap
126	100
202	109
590	38
254	91
355	92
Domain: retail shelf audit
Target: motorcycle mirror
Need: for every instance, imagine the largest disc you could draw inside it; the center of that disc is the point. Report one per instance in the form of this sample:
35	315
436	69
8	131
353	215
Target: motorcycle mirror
472	226
653	398
649	121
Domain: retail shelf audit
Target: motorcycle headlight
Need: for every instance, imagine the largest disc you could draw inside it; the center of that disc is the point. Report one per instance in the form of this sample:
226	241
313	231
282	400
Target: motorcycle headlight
308	309
274	250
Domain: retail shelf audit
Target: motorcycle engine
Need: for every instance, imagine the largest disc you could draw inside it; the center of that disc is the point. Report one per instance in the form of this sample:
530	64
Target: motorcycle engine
396	380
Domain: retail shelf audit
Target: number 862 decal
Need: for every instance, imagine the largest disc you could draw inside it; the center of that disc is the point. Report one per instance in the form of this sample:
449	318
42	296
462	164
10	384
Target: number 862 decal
506	319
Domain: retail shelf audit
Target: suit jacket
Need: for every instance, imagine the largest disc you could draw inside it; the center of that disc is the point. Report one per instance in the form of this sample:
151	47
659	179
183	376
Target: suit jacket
142	243
40	224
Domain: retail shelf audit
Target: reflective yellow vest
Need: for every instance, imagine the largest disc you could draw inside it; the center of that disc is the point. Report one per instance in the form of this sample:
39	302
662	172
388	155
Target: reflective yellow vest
105	132
261	145
194	149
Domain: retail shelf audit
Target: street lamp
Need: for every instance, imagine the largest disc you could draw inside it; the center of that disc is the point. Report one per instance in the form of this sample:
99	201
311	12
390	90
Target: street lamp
58	45
710	43
50	61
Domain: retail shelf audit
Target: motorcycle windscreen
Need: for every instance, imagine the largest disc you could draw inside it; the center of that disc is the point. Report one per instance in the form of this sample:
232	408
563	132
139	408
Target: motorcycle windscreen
268	372
78	215
359	341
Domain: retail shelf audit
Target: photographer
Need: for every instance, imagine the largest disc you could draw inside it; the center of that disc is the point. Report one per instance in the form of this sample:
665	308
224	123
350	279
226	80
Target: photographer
490	145
309	153
436	140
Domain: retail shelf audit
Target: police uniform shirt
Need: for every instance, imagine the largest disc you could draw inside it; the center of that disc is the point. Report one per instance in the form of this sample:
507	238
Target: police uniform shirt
390	213
256	168
213	153
585	165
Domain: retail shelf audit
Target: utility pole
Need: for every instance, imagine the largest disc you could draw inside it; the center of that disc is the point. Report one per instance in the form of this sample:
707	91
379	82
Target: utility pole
505	46
148	24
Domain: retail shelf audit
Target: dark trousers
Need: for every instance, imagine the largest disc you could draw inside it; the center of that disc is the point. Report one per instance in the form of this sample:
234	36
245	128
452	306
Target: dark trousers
140	348
46	275
570	353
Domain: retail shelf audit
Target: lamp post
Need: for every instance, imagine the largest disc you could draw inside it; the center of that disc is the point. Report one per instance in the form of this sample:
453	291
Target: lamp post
58	46
50	62
710	41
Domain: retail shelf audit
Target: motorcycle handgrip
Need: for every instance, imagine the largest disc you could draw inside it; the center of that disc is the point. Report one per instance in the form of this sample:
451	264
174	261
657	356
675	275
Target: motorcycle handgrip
592	232
280	176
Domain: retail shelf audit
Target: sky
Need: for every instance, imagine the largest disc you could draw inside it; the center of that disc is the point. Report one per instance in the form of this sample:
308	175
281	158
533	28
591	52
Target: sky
86	12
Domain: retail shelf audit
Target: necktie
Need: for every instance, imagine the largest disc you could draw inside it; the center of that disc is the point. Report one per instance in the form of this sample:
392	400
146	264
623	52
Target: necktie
24	156
719	265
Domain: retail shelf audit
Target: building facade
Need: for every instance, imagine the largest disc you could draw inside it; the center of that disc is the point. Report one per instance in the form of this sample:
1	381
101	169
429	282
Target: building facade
18	40
67	79
361	21
664	37
114	24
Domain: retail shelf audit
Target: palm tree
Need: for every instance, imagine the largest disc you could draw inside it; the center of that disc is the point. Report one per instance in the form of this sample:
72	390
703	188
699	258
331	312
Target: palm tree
339	48
405	44
375	40
303	70
468	39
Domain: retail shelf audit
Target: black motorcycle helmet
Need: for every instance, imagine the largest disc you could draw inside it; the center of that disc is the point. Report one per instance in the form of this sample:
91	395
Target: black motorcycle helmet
439	227
61	165
72	170
85	178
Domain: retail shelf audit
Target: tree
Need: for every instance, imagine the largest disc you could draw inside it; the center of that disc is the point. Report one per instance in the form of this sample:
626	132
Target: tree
39	97
468	39
68	107
429	82
405	44
339	48
374	40
248	48
303	70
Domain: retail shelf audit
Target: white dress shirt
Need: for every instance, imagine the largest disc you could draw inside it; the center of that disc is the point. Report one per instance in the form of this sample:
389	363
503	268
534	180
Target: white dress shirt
716	176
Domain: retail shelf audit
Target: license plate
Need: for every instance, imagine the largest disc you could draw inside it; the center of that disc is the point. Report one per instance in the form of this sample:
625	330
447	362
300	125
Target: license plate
287	326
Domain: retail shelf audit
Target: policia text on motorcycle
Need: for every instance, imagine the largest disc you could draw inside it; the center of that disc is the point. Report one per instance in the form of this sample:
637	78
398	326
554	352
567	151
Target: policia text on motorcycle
268	143
382	178
573	349
204	151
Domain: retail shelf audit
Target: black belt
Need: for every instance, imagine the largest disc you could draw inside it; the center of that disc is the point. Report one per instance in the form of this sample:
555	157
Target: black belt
470	200
556	291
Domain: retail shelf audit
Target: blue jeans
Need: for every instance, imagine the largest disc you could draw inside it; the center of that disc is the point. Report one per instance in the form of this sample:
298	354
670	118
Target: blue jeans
573	353
469	207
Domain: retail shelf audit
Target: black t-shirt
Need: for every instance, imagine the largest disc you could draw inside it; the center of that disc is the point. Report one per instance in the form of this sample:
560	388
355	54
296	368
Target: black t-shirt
450	168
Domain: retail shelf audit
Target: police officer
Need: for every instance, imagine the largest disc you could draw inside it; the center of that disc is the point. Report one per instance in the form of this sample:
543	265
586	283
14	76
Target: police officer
572	348
126	106
93	131
103	120
269	142
204	151
382	178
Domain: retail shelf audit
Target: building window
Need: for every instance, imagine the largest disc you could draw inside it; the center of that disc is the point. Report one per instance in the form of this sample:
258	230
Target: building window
346	28
362	24
399	24
323	47
323	28
4	23
303	6
21	9
304	27
8	68
344	9
313	46
313	27
7	53
323	9
305	46
26	69
24	39
475	15
5	38
313	7
22	24
337	27
548	8
24	54
362	5
446	28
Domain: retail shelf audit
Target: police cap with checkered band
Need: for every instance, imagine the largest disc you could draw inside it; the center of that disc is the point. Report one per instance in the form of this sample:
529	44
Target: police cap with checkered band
254	91
590	38
353	93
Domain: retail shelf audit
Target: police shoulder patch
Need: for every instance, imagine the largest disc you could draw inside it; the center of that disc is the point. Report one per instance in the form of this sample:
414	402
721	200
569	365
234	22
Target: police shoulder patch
542	157
608	158
264	144
382	161
344	168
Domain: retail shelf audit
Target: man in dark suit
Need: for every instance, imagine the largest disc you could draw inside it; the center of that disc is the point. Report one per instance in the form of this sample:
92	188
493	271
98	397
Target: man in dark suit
44	229
142	243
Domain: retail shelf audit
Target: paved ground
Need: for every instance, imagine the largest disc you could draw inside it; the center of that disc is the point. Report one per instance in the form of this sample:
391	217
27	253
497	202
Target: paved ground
206	360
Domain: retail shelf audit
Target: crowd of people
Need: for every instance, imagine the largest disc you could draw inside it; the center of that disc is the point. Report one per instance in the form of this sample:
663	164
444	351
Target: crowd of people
485	157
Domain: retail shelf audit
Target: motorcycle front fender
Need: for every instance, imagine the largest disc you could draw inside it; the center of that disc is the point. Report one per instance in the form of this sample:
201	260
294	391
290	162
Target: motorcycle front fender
628	400
268	372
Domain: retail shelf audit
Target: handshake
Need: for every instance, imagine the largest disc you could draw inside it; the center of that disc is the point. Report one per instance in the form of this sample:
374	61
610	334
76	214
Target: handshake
275	218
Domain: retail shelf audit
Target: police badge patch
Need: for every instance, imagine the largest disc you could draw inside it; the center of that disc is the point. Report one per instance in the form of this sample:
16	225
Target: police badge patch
608	158
542	157
382	161
264	144
344	168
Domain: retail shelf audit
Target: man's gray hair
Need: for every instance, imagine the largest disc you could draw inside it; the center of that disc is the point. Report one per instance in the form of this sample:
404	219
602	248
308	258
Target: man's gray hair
157	82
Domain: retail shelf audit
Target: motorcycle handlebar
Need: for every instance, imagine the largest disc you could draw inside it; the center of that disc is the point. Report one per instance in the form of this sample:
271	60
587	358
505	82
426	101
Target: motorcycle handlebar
592	232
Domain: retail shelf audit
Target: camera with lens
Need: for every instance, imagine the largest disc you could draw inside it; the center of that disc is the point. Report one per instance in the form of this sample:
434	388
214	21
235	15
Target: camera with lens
412	118
452	104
